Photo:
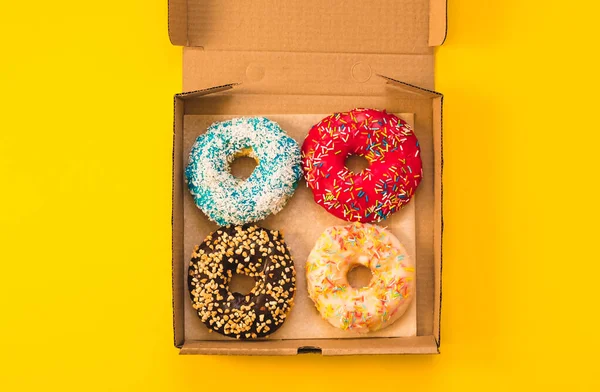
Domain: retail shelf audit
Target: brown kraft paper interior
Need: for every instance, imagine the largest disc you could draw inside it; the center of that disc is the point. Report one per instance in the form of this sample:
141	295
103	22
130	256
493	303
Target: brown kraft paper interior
301	58
301	221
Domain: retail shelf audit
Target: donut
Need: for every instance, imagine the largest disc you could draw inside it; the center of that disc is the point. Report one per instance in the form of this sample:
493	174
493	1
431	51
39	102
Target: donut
389	145
375	306
226	199
249	250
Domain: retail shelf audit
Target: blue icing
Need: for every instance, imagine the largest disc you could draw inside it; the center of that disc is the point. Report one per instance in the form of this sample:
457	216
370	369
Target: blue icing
228	200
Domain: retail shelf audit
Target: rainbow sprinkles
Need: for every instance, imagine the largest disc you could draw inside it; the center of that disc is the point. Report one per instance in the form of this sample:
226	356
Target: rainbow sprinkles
385	141
369	308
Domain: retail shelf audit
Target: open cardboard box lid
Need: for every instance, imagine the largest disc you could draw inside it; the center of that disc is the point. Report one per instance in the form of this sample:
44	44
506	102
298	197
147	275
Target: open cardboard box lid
350	26
304	56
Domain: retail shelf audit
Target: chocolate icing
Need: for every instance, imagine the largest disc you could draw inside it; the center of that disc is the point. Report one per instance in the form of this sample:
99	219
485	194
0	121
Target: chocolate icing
250	250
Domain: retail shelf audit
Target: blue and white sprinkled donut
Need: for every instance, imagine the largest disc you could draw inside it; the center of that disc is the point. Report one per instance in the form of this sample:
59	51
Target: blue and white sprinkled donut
226	199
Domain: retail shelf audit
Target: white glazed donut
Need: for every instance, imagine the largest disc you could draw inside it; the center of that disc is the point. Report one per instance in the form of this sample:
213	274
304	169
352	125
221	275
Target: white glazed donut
369	308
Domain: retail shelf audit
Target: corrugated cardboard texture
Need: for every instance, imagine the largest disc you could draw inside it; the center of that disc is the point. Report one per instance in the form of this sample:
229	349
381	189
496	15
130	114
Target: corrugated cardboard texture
301	221
395	99
411	345
438	223
349	26
177	222
310	26
178	22
303	73
305	57
438	22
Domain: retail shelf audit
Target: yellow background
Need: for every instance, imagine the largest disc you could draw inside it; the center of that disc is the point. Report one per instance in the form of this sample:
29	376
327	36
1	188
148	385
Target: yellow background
85	300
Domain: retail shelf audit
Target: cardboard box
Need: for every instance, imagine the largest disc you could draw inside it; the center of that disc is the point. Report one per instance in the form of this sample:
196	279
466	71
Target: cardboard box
300	58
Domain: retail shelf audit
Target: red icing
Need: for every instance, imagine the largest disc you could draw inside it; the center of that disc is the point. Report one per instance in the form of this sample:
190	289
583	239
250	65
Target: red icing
391	148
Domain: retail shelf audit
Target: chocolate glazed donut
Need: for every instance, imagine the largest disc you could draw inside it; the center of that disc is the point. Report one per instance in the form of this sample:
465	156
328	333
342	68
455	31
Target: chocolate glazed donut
249	250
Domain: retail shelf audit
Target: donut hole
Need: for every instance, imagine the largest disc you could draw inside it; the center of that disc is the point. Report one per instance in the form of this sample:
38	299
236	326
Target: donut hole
356	163
243	164
359	276
242	284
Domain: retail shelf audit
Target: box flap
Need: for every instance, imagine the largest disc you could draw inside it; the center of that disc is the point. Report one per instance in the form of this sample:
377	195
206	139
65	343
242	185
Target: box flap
178	22
411	88
177	222
438	22
210	90
327	347
304	73
351	26
438	215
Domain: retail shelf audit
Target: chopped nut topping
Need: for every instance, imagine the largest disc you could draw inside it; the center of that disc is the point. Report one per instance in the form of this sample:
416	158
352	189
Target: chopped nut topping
232	250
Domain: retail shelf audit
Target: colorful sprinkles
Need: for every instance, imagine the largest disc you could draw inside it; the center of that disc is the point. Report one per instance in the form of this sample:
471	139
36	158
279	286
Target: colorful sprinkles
369	308
389	145
226	199
250	250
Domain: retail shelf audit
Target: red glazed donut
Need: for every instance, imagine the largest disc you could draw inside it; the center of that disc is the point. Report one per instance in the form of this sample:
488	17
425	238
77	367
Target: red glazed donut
389	145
